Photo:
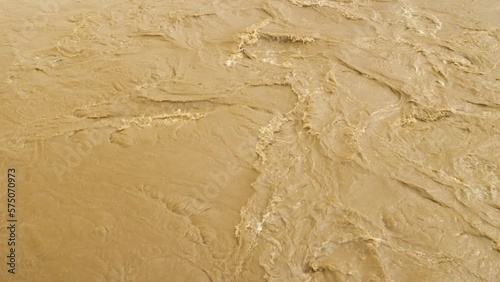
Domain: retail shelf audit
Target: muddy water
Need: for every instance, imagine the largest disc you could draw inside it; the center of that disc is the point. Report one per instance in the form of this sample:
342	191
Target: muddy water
299	140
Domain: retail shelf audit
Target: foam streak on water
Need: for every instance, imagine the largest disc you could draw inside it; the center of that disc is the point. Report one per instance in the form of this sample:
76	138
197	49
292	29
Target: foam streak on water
269	140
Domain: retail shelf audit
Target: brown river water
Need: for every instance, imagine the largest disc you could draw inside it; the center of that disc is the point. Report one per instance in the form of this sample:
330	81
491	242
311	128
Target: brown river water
264	140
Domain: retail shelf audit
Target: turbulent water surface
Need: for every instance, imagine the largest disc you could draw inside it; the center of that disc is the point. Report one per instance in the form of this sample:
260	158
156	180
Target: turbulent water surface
263	140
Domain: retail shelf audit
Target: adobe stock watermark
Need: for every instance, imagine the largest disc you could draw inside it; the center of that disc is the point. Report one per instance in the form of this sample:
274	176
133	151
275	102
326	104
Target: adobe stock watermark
40	19
76	152
221	179
31	27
